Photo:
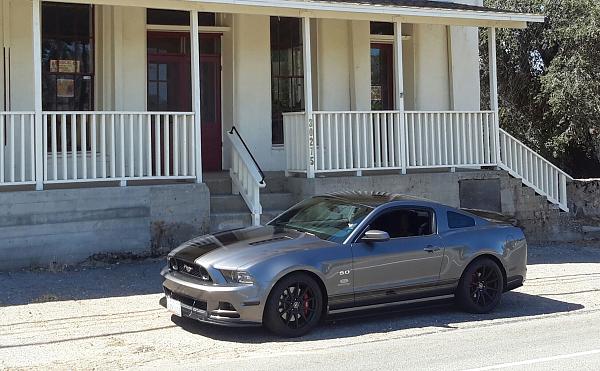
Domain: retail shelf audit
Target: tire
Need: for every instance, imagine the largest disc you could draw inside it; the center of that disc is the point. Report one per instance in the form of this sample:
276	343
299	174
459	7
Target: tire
480	287
294	306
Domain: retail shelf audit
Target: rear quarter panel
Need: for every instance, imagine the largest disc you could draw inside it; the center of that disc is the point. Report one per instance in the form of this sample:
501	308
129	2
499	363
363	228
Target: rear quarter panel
506	243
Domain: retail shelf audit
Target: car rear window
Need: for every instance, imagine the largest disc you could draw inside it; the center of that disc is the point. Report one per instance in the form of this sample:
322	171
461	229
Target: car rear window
456	220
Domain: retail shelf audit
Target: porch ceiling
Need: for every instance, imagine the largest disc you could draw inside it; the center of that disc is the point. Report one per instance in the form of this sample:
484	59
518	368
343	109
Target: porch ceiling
408	11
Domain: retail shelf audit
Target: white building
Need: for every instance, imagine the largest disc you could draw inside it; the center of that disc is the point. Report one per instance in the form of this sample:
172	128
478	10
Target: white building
122	92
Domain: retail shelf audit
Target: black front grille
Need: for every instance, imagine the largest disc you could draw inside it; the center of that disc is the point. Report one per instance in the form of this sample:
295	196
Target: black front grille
190	302
190	269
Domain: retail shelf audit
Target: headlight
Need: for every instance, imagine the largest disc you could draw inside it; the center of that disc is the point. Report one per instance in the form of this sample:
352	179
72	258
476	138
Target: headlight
232	276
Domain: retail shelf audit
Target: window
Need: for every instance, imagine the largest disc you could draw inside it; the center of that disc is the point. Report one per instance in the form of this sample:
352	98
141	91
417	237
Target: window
329	219
382	28
178	18
287	72
67	57
405	223
456	220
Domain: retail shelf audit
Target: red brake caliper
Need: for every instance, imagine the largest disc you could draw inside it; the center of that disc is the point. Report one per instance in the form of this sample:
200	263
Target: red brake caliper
306	305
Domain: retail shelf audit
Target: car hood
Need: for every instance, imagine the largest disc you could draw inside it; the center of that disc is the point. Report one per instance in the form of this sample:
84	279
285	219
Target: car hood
243	247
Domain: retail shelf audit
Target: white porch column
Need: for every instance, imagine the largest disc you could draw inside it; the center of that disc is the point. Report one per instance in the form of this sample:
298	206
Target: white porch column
399	90
308	103
195	45
494	88
37	94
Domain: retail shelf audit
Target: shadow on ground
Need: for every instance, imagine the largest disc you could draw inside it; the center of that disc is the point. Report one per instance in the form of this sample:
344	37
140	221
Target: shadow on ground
137	278
515	306
143	277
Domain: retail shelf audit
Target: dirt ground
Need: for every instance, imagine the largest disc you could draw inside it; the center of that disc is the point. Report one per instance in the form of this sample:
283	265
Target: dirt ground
109	318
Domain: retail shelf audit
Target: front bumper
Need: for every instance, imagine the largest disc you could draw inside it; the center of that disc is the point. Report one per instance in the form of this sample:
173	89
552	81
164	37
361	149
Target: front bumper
228	305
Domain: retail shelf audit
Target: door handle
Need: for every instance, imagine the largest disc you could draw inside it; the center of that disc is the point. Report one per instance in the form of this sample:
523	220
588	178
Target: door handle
432	248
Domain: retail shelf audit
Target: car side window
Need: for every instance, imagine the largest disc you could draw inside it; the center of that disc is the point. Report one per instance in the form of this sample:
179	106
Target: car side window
404	223
456	220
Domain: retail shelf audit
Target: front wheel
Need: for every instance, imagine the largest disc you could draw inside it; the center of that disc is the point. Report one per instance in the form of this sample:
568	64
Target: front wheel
480	287
294	306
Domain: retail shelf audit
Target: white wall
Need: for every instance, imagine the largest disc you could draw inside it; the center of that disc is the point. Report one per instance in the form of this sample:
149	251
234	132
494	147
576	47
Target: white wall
333	64
360	75
252	95
21	69
431	67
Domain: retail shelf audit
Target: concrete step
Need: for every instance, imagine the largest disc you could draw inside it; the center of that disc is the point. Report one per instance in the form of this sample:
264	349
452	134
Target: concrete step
219	185
277	201
225	221
227	204
235	203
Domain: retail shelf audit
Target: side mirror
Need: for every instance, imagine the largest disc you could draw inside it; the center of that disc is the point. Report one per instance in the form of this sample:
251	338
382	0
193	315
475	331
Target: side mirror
375	236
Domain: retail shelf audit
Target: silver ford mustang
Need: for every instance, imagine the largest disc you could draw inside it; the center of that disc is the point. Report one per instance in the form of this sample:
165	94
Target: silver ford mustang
343	252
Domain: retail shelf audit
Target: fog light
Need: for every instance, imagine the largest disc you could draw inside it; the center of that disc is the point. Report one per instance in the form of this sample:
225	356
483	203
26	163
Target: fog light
223	305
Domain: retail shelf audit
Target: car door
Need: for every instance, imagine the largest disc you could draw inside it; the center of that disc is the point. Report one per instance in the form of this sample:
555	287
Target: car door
402	266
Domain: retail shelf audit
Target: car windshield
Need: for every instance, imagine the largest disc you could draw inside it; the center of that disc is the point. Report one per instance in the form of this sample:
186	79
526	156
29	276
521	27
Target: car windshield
327	218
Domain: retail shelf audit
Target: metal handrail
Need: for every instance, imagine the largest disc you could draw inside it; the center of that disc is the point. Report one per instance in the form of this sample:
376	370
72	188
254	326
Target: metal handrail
262	174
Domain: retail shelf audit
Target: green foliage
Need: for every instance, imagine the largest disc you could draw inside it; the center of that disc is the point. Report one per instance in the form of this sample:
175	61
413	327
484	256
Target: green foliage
549	81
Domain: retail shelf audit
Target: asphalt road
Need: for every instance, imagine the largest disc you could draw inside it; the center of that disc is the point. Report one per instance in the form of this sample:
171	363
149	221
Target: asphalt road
109	318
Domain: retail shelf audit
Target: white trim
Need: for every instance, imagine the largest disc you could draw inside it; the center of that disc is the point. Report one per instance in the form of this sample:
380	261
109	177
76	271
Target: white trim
388	38
399	89
37	91
201	29
426	15
195	55
308	95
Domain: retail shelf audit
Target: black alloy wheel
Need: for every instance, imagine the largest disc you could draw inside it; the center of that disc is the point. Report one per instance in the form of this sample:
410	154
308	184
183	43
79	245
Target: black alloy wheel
480	287
294	306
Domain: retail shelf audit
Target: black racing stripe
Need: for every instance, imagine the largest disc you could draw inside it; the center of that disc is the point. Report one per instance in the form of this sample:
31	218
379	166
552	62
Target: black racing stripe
197	247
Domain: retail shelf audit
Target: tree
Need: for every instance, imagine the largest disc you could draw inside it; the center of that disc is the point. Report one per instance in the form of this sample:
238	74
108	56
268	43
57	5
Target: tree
549	81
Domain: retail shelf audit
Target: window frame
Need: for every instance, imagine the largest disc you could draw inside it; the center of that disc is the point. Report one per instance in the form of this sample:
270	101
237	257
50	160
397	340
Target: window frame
277	116
367	227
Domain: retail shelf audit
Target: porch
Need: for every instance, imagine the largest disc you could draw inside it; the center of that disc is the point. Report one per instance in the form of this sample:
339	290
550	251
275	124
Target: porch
108	141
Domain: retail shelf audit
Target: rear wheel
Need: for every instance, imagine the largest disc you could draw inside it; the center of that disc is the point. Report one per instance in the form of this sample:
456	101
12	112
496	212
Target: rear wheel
294	306
480	287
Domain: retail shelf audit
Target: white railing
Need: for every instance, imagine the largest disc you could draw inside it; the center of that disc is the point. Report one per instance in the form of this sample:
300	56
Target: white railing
107	146
17	148
388	140
295	132
357	141
246	175
450	139
534	170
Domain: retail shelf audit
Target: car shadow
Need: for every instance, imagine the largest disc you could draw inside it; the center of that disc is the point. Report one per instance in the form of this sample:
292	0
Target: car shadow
515	306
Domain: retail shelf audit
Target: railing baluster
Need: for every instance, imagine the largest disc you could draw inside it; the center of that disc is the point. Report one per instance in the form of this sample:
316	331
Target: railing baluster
44	140
63	145
176	153
54	148
94	141
167	141
148	128
131	145
103	146
122	173
184	131
157	152
343	143
74	154
113	144
84	145
11	148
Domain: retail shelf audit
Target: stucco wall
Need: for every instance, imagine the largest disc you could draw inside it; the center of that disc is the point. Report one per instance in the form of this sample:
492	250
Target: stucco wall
431	67
21	69
333	64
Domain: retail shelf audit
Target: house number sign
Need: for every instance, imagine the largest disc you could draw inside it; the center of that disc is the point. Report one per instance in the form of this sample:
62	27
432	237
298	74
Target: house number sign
311	142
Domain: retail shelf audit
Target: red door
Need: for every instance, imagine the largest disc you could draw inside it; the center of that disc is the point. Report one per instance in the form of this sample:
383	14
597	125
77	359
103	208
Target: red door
382	77
210	101
170	86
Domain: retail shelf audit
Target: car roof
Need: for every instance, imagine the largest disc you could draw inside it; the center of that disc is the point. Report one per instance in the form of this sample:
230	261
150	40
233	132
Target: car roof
376	199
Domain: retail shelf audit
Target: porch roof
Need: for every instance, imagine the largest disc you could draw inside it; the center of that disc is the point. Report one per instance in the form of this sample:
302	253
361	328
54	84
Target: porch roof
408	11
